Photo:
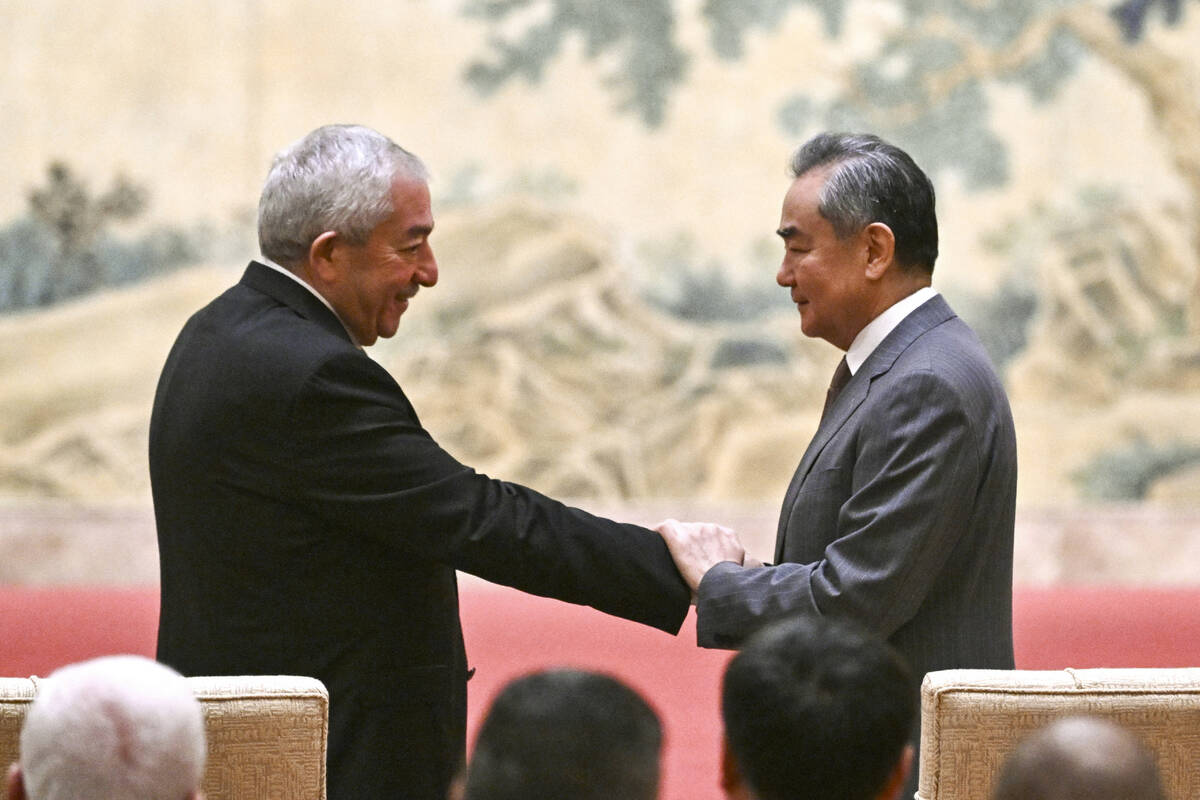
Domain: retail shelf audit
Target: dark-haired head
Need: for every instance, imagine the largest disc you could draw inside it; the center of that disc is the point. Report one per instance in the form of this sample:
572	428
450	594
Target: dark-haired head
570	734
873	181
818	709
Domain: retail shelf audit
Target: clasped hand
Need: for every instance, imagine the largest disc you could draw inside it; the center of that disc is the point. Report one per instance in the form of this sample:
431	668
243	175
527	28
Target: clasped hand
698	546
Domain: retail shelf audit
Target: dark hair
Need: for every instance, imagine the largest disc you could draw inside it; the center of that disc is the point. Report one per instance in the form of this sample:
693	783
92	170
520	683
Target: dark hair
569	734
873	181
817	709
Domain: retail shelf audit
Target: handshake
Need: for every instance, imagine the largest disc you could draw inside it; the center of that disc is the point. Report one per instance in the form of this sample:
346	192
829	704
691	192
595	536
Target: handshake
698	546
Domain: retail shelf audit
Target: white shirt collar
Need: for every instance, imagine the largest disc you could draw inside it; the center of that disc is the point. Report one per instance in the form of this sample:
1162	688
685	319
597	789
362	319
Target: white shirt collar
266	262
877	329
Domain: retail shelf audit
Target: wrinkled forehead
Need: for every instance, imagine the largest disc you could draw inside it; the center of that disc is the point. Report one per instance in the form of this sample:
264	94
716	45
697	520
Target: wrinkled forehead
412	212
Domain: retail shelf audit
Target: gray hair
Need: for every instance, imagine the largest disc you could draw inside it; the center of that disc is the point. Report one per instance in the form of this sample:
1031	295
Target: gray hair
873	181
113	728
337	178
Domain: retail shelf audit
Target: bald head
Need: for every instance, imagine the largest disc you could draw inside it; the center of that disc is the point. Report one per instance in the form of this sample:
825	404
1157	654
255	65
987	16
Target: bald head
1080	758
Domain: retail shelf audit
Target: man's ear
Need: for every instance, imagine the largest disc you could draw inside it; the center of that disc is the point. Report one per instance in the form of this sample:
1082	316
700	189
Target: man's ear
732	781
899	776
881	249
15	784
321	262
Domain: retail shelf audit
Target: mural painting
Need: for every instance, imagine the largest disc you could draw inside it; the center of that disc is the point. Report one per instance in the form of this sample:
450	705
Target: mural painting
607	180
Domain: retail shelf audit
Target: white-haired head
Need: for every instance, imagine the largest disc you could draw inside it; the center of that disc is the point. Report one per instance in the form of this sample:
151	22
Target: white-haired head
113	728
336	178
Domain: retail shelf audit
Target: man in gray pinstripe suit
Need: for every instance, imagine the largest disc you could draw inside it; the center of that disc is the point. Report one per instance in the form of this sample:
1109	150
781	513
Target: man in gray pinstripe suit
900	514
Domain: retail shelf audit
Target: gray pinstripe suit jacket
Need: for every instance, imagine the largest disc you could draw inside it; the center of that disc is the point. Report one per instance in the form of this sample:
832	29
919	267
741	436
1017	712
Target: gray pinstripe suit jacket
900	514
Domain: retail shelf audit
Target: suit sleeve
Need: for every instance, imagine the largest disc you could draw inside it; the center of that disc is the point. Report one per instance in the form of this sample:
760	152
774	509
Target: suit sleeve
365	465
906	491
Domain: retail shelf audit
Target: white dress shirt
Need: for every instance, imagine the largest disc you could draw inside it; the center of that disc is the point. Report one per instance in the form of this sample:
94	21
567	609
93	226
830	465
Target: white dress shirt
269	263
877	329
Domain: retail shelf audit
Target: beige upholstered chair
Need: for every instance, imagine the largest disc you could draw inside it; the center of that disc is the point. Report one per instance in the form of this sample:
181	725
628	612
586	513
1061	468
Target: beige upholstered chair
266	734
972	719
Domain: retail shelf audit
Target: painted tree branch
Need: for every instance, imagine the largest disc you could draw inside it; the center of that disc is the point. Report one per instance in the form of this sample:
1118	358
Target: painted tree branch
1163	79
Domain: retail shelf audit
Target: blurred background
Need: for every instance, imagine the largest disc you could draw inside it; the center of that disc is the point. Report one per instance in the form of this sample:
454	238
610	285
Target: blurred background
608	175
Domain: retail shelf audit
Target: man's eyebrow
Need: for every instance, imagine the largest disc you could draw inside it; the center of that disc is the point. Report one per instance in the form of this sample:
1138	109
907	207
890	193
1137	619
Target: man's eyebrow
786	233
420	230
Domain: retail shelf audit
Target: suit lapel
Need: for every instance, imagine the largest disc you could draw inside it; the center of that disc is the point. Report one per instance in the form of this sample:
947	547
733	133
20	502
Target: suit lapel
926	316
287	291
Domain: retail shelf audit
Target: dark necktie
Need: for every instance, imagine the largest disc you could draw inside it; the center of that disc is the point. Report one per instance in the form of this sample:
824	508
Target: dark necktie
841	376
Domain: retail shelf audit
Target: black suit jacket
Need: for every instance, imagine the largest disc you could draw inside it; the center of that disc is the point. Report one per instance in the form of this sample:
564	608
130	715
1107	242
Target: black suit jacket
309	525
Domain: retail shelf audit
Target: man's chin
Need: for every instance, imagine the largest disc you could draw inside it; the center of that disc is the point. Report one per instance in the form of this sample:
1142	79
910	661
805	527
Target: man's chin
388	330
808	328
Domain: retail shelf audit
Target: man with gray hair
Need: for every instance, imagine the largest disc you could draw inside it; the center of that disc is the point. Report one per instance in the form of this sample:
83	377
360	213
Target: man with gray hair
309	525
900	514
1080	758
113	728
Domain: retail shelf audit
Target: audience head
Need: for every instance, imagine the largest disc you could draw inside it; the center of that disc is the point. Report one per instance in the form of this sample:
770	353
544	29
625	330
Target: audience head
568	734
337	178
113	728
869	181
814	708
1080	758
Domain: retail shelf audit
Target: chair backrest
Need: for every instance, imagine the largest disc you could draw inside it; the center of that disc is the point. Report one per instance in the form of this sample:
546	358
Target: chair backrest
267	734
972	719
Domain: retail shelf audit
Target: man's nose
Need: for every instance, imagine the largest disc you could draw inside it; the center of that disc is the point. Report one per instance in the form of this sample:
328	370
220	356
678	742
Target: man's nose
427	274
783	277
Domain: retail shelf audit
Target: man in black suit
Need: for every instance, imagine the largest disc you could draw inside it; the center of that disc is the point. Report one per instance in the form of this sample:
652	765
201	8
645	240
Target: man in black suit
309	525
900	514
